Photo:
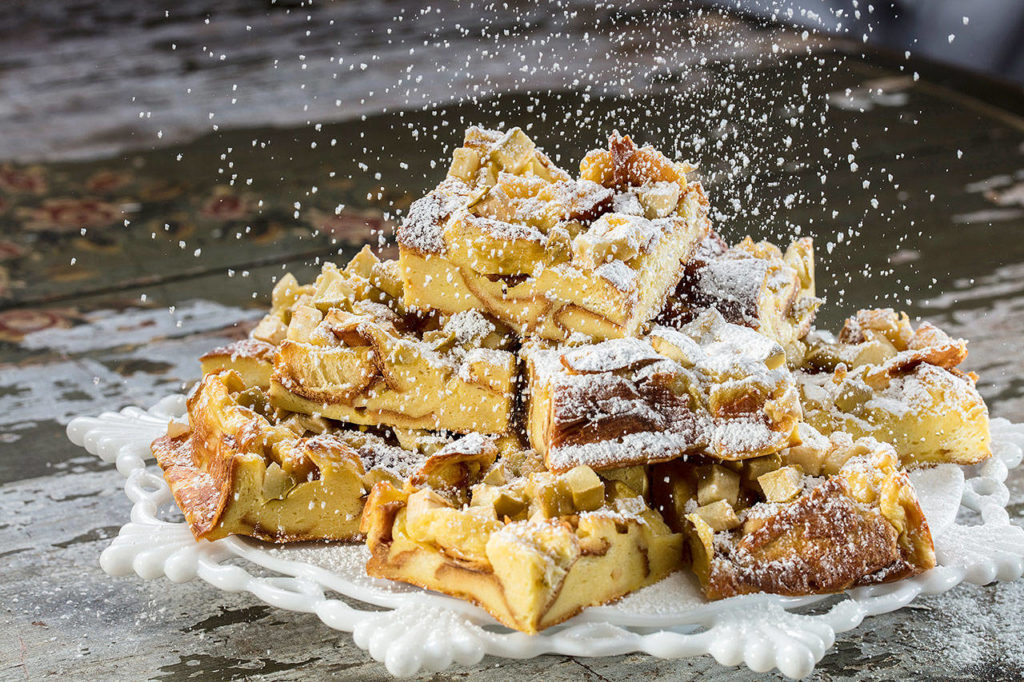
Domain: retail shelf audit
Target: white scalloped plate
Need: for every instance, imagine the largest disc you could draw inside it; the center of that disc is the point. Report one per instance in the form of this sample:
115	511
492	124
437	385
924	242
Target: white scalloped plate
413	630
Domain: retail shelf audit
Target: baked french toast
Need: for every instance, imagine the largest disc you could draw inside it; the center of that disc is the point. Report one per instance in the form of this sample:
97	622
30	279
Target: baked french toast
351	352
824	516
509	234
567	388
241	466
884	378
533	549
710	387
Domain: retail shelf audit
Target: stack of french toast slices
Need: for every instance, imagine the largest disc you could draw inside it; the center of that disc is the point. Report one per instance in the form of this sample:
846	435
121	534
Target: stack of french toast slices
567	388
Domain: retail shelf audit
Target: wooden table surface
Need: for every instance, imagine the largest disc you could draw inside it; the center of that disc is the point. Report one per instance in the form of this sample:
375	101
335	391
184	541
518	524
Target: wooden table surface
117	272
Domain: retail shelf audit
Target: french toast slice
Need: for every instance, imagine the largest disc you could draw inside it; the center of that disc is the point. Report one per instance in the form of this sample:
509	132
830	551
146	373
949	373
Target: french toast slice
509	234
711	387
885	379
753	284
532	548
242	467
351	352
821	517
234	471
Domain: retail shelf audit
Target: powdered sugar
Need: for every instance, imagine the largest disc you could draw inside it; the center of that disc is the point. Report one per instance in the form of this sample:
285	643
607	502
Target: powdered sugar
738	281
619	275
480	356
723	341
644	446
579	199
741	435
609	356
632	234
469	327
244	348
376	453
924	389
422	228
346	564
627	203
503	230
470	444
621	402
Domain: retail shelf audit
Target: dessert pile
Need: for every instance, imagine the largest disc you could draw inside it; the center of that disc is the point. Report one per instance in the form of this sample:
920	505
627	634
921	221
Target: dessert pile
565	389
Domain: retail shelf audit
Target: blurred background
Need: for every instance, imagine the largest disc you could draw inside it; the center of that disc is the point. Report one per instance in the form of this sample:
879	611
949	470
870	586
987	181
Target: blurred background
85	77
986	36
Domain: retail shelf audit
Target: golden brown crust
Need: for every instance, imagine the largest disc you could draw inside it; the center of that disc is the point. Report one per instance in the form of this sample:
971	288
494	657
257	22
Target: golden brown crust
823	543
857	523
200	494
234	472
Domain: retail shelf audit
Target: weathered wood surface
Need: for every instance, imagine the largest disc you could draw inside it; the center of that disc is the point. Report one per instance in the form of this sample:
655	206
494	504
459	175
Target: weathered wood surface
97	335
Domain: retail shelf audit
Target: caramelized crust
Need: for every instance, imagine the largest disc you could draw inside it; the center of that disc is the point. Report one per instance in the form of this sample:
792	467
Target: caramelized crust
822	543
856	521
200	493
713	387
236	473
241	467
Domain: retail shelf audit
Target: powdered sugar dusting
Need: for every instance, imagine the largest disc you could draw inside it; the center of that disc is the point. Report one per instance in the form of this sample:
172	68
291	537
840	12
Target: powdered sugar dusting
621	402
734	279
643	446
423	225
619	275
345	562
609	356
376	453
470	444
469	327
627	203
